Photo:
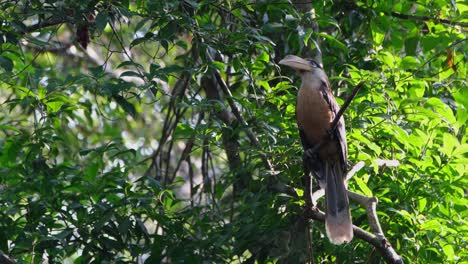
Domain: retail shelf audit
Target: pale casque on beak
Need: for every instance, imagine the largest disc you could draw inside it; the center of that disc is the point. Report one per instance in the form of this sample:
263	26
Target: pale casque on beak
296	63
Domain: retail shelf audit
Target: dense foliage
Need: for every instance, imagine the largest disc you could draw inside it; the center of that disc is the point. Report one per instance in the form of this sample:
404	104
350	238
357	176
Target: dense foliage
142	130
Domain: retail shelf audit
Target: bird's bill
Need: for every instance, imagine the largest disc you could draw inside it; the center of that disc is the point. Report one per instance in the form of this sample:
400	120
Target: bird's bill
296	63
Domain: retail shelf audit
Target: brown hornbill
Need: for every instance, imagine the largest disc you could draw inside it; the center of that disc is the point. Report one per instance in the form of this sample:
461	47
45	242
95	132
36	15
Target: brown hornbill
315	110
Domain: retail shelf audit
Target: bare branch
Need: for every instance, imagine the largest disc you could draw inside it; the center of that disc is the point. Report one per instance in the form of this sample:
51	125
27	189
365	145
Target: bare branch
44	24
4	258
355	169
317	195
380	162
370	203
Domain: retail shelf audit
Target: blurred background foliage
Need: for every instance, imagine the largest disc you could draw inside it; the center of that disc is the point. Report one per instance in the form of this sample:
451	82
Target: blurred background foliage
141	131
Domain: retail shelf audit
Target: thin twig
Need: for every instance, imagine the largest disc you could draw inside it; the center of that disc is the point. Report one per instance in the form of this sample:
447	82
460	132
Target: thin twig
191	181
346	104
427	18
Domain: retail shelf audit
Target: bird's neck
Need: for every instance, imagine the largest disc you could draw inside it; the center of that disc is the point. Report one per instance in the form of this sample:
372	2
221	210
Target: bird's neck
313	79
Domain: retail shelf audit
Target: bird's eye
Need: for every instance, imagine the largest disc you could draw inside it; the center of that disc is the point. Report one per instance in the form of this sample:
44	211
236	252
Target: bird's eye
314	64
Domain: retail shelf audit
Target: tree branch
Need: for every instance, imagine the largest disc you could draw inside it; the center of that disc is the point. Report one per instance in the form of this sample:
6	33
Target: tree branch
380	243
44	24
370	203
346	104
427	18
5	259
376	238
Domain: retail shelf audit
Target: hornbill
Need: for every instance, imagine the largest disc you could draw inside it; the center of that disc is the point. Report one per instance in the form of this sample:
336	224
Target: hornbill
315	110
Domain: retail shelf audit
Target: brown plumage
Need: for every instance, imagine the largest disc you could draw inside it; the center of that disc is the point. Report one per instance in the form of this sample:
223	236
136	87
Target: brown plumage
316	107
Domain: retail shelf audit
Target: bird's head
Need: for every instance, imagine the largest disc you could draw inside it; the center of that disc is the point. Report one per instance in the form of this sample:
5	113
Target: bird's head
306	68
299	64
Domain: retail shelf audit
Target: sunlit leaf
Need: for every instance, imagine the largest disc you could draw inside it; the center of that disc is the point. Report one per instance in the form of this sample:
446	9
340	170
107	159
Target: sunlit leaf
363	187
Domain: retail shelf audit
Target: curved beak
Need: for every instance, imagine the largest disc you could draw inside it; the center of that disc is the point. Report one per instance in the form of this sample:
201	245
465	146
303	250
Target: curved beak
296	63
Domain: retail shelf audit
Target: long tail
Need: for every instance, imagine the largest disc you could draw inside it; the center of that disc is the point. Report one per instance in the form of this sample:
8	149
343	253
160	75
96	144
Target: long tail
338	219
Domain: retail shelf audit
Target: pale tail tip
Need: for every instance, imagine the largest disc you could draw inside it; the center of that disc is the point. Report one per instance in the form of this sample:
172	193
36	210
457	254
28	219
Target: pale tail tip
339	233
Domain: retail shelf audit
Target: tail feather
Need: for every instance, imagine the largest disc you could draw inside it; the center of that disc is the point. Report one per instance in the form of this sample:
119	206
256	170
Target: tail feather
338	223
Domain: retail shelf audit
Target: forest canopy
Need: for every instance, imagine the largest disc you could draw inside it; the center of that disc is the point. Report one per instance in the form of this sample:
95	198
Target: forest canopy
165	131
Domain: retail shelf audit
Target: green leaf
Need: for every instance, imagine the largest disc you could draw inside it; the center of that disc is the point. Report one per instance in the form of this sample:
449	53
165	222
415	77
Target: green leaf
417	89
138	41
460	150
54	106
461	96
431	225
130	74
184	131
422	204
443	109
97	71
6	63
449	252
363	187
410	62
443	75
101	21
130	63
335	42
306	36
128	107
7	127
450	142
64	234
405	214
218	65
91	172
85	151
387	58
411	45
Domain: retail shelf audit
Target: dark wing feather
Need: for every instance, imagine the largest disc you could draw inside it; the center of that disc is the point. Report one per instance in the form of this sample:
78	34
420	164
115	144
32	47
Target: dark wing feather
315	165
339	133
